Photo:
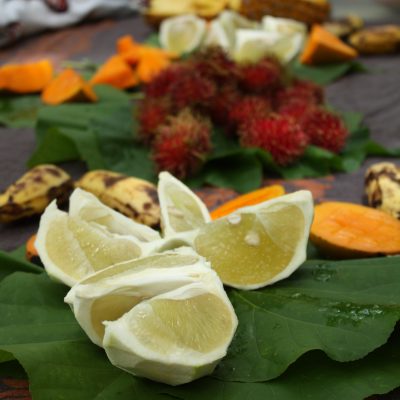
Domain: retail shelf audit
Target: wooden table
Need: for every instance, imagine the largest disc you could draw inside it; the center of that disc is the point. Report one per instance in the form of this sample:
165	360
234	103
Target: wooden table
376	95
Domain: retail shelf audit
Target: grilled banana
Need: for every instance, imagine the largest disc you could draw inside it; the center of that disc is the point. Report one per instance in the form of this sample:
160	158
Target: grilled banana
133	197
382	186
33	192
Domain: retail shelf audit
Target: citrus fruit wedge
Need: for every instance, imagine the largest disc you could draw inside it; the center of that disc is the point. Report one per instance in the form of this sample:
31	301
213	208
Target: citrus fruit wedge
252	45
287	47
181	209
216	36
110	293
175	337
258	245
71	248
88	207
284	26
182	34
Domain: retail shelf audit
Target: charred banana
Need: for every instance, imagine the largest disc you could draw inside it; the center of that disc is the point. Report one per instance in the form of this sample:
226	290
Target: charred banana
133	197
382	187
33	192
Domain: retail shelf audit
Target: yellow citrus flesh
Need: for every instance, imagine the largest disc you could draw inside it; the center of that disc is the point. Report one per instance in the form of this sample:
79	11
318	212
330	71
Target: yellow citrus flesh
184	212
252	248
110	308
77	248
201	323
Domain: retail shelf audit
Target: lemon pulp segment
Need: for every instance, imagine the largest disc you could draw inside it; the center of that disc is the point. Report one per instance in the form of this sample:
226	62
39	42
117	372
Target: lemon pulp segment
248	248
201	323
183	211
110	308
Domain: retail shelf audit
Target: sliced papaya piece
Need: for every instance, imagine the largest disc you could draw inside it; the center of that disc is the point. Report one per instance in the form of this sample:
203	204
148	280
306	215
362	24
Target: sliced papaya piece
346	230
323	47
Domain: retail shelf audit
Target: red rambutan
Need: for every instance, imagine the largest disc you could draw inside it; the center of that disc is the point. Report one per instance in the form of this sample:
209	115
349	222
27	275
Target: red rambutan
161	84
295	110
151	114
325	129
261	77
249	107
213	63
280	136
191	90
182	144
220	105
301	92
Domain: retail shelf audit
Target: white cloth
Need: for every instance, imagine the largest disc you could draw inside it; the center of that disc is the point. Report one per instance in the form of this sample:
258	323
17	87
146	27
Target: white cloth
24	17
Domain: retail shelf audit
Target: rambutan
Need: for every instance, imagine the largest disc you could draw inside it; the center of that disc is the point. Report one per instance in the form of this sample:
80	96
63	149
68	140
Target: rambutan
295	110
151	114
161	84
279	135
191	90
182	144
249	107
262	77
222	102
324	129
214	64
301	92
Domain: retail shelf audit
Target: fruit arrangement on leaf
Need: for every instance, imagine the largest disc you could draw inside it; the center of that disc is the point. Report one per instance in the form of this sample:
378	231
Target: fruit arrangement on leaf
258	103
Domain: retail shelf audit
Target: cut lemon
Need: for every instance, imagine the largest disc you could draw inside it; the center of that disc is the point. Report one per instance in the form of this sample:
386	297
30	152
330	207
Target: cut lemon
231	21
258	245
88	207
110	293
284	26
71	248
181	209
182	34
287	48
252	45
216	36
175	337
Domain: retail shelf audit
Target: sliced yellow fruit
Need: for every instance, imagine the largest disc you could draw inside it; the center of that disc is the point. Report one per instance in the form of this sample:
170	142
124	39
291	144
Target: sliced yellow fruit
72	248
182	34
88	207
287	47
216	36
181	209
284	26
175	337
110	293
258	245
252	45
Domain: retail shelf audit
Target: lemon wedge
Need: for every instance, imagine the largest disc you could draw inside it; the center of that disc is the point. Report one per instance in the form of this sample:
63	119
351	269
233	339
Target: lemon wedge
252	45
175	337
72	248
182	34
258	245
181	209
110	293
88	207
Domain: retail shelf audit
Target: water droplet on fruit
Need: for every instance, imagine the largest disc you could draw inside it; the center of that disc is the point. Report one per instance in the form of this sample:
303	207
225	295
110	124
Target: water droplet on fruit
234	219
252	238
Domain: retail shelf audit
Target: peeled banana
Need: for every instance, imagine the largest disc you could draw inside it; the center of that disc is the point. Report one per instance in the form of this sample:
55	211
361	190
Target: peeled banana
133	197
382	187
33	192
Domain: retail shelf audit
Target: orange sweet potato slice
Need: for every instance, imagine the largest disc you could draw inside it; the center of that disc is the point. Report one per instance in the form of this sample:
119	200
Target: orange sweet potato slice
26	78
68	86
323	47
346	230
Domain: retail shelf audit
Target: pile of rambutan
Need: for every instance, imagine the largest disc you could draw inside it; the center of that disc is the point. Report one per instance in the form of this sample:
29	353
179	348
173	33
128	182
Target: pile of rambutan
258	103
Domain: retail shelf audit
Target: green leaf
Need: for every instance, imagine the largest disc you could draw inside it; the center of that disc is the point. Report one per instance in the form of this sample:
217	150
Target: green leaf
325	74
10	263
153	40
17	111
314	376
347	309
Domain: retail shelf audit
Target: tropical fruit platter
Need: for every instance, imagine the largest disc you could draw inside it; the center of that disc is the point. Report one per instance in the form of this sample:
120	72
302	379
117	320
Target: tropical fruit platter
192	258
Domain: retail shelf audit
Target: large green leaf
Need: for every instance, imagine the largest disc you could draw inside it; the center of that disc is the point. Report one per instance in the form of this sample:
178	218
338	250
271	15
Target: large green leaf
347	309
18	111
10	263
325	74
313	377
